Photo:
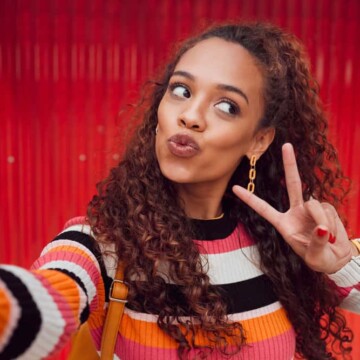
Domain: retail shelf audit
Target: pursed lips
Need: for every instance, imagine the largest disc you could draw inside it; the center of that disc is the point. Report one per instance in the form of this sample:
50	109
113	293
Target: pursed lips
183	145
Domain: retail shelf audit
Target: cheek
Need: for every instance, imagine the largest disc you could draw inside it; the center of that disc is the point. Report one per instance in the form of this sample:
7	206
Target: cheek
161	112
157	146
233	143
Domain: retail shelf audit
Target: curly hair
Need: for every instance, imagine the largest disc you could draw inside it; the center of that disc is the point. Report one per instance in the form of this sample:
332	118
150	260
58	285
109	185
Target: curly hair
138	209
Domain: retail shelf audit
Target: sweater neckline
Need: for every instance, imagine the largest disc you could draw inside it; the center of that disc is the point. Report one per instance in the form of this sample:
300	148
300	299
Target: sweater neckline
213	229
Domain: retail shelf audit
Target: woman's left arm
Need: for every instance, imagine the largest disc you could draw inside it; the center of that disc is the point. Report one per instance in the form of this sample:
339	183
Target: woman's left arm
313	230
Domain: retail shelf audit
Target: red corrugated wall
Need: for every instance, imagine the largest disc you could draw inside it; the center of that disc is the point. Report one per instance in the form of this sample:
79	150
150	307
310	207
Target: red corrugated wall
68	66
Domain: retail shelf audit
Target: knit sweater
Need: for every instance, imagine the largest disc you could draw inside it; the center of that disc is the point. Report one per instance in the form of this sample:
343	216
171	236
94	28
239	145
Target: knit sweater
40	309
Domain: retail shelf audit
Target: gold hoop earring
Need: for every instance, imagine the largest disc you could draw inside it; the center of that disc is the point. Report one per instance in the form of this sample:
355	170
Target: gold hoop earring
252	174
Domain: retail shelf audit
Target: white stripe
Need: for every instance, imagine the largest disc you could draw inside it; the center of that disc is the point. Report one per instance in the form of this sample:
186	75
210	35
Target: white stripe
151	318
233	266
59	243
78	271
352	301
349	275
14	316
246	315
252	314
52	325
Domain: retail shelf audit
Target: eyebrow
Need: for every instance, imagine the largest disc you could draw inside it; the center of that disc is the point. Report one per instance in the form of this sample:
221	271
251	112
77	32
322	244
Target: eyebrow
219	86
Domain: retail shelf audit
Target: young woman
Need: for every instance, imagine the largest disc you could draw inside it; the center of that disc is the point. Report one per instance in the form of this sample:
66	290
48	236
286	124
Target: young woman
213	269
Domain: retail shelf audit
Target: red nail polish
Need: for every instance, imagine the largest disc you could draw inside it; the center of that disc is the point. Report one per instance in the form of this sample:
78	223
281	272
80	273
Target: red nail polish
321	232
332	238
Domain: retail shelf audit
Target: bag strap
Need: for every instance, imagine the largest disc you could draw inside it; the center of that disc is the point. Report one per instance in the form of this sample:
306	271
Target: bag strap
117	300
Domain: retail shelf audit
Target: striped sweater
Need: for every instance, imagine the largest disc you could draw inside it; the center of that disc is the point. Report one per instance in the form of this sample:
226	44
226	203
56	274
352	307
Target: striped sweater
40	309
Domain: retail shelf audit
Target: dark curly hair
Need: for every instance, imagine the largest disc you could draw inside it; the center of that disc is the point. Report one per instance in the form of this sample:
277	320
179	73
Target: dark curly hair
137	208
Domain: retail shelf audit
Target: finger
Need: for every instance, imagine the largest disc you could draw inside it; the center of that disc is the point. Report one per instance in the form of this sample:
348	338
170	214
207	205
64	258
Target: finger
292	177
317	212
260	206
332	219
321	230
325	216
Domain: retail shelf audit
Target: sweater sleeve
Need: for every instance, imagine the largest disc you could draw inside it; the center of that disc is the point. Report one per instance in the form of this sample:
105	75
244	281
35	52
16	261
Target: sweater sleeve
40	309
347	281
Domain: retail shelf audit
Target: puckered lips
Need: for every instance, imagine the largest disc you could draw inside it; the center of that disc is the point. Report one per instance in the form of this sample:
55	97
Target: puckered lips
183	145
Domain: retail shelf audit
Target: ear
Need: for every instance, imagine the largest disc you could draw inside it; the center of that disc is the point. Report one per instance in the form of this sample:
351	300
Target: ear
262	140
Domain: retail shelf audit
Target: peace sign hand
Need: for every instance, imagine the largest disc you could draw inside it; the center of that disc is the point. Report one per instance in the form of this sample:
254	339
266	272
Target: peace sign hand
312	229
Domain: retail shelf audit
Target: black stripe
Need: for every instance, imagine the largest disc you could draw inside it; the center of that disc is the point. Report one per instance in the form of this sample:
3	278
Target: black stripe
86	311
213	229
90	243
249	294
84	239
239	297
30	318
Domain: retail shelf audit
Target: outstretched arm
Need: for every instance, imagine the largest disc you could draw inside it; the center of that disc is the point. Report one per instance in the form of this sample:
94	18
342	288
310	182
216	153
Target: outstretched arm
40	309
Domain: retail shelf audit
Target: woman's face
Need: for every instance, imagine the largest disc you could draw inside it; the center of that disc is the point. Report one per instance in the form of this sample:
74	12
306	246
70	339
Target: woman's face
208	117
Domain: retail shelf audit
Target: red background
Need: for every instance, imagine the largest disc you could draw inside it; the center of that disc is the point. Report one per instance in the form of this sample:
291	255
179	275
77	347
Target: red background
68	67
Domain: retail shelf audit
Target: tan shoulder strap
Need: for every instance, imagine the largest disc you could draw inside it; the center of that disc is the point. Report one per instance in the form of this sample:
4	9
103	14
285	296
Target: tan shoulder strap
117	300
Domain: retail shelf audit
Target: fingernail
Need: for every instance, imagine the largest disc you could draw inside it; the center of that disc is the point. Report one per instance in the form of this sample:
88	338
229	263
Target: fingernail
321	232
332	238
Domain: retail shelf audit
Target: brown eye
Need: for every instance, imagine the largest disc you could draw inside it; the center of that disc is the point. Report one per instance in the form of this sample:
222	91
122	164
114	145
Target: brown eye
228	107
180	90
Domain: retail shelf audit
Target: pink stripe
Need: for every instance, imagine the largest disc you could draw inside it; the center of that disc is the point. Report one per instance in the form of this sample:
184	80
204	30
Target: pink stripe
130	350
237	240
79	220
77	259
281	347
67	255
65	310
343	292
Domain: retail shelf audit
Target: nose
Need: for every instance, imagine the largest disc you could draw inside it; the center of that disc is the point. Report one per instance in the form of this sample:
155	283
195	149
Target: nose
192	117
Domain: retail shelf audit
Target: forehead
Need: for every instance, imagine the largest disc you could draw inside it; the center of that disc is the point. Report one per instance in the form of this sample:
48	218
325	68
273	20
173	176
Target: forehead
225	62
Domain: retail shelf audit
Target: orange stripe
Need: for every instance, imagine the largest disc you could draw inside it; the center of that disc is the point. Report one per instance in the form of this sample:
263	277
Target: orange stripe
65	286
72	249
145	333
256	329
266	326
5	306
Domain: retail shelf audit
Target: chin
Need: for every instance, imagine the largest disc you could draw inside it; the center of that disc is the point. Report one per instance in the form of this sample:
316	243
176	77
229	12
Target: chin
178	175
178	179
